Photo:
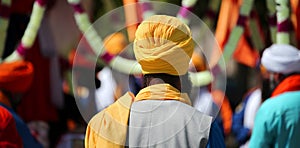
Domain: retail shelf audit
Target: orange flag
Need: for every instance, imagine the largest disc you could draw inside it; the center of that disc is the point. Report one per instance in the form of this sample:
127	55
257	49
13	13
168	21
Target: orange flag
228	16
132	18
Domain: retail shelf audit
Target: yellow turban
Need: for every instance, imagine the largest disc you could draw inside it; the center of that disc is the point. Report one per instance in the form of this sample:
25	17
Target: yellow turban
163	44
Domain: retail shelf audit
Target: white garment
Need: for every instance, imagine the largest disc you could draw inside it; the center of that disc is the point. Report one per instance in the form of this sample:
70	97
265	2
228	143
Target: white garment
105	93
204	103
163	124
253	104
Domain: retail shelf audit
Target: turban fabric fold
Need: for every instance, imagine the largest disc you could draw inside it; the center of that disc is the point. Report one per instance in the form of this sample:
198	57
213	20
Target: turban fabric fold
16	77
281	58
163	44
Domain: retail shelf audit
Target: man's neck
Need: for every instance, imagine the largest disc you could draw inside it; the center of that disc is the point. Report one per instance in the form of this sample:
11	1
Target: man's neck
290	83
152	79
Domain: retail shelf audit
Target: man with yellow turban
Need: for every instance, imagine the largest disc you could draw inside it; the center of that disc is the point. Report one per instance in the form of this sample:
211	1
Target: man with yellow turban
15	79
160	115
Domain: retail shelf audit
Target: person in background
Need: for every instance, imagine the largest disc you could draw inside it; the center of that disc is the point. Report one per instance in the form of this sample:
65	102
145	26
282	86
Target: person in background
212	102
161	113
243	118
105	88
8	132
15	79
277	122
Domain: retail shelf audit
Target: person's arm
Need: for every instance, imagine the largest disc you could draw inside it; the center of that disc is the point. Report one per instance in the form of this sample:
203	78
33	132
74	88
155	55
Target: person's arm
216	137
241	133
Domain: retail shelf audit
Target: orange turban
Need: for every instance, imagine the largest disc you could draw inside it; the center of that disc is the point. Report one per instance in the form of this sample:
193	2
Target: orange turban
199	62
115	43
16	77
163	44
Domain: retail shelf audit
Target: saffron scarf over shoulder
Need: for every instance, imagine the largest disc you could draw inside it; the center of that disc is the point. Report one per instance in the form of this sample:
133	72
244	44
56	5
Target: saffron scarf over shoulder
109	127
291	83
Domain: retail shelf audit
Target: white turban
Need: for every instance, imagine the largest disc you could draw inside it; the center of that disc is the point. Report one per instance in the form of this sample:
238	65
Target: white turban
281	58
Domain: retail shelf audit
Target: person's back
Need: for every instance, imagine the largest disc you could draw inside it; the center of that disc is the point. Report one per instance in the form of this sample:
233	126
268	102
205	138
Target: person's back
280	117
161	123
277	122
15	79
161	114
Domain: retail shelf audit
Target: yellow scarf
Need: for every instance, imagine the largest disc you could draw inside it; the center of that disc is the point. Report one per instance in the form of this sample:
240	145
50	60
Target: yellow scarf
109	127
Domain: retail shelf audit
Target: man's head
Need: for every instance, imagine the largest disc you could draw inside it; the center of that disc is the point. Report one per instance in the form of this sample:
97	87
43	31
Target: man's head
281	60
164	46
15	78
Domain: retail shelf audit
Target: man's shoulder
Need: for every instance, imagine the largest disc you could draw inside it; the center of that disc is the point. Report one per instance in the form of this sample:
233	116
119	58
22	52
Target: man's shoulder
287	94
172	111
6	117
276	106
283	100
194	116
167	106
113	114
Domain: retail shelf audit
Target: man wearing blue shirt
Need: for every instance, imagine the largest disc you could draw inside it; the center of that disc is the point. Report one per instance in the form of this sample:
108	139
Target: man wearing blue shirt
277	123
